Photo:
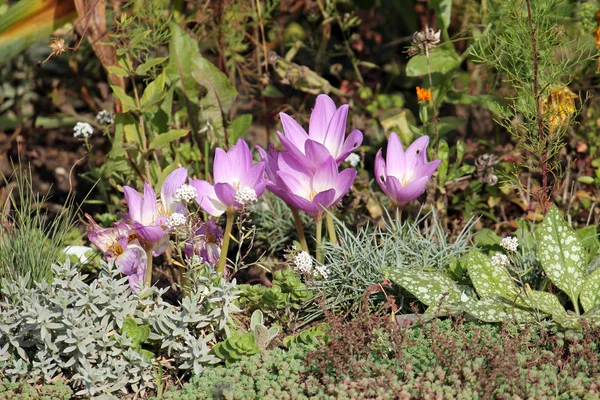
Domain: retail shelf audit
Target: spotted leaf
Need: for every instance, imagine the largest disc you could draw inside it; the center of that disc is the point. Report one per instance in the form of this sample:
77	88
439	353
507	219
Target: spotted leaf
427	286
492	309
489	280
561	254
590	291
547	303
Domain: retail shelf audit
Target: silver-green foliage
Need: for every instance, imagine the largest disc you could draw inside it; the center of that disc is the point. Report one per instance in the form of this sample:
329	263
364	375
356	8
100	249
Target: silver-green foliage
360	259
70	328
561	254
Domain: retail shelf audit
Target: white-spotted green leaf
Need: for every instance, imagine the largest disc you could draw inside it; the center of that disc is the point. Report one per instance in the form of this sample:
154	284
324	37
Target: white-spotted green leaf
489	280
561	254
590	291
547	303
427	286
491	309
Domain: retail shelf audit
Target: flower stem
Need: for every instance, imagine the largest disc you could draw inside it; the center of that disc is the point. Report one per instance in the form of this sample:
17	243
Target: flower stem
331	228
434	119
226	237
299	229
148	277
319	223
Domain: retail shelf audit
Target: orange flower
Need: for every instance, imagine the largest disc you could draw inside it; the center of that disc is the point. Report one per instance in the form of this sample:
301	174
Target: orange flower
423	94
559	107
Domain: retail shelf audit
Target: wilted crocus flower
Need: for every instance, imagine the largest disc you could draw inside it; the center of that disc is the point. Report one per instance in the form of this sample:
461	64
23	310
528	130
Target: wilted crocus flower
327	128
237	181
120	244
311	192
404	175
206	243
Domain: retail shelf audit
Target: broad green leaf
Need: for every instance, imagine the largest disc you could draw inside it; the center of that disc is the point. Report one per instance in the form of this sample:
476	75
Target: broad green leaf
443	154
154	92
487	237
443	60
118	71
561	254
495	310
448	124
589	240
128	101
590	291
489	280
137	333
239	126
546	303
153	62
427	286
443	10
165	139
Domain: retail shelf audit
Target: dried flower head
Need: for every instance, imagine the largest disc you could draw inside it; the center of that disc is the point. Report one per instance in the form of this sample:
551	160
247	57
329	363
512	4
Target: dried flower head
559	107
424	42
57	45
423	94
484	169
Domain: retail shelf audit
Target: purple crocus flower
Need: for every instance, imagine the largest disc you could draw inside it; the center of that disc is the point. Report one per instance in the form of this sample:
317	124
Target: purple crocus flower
405	174
206	243
311	192
170	192
327	129
237	181
120	244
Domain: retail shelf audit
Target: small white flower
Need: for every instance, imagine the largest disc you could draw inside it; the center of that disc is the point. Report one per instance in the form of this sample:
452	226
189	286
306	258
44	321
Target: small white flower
185	194
500	260
104	118
245	196
303	263
83	129
175	220
510	243
353	159
322	270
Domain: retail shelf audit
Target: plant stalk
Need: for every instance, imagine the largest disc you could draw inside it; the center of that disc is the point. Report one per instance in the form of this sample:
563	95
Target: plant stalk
299	229
319	223
226	238
148	276
331	228
434	118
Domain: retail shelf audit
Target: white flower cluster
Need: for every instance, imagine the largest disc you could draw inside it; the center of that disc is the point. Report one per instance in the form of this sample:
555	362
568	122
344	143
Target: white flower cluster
353	159
510	243
185	194
83	129
245	196
500	260
303	263
104	118
175	220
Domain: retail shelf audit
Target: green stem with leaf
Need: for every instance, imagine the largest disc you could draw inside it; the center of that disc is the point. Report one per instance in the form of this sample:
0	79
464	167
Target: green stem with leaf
226	239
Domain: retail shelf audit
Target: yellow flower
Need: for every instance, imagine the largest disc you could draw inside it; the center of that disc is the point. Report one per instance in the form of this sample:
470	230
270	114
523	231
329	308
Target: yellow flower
559	107
423	94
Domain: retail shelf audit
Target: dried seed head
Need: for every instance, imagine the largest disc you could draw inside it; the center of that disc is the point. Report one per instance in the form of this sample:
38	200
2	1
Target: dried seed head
484	169
424	42
57	45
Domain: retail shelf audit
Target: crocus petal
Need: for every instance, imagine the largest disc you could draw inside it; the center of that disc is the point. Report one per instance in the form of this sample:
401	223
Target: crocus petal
149	209
336	131
253	176
207	198
380	170
394	157
406	194
324	200
325	176
134	203
293	131
321	117
270	159
226	194
133	263
344	181
161	246
353	142
427	169
149	234
416	153
316	153
292	150
172	182
298	184
301	204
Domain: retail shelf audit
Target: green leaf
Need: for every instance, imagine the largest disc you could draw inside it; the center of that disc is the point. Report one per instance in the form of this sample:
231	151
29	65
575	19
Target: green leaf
153	62
128	102
546	303
561	254
154	92
427	286
487	237
448	124
137	333
163	140
493	103
489	280
442	60
589	239
588	180
118	71
590	291
239	126
443	10
491	309
443	154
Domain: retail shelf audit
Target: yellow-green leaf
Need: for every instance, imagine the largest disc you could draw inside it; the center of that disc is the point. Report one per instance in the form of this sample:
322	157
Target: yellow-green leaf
590	291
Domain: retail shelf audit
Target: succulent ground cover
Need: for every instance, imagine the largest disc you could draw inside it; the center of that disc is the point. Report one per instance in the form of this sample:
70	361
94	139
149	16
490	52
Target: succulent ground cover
299	199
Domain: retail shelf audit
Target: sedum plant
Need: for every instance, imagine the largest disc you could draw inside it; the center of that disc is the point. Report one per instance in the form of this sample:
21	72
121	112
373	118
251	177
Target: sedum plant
499	289
102	337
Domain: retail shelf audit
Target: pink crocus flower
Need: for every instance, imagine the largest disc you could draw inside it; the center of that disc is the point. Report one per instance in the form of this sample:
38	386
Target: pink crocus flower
206	243
237	181
143	215
120	244
327	129
311	192
404	174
